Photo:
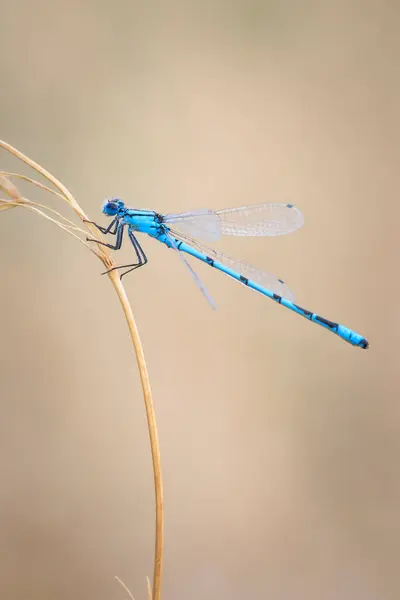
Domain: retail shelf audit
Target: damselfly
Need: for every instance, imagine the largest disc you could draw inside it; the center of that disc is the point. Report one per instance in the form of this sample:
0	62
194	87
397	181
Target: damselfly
182	232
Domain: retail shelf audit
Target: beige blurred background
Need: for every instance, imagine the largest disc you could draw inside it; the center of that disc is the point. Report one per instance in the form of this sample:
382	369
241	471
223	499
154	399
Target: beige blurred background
280	443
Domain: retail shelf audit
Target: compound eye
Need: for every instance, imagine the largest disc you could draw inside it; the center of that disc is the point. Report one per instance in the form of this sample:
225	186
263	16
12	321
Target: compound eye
110	208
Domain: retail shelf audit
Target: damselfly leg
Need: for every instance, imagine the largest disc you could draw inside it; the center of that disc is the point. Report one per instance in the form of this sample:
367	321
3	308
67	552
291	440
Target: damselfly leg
118	242
141	256
105	230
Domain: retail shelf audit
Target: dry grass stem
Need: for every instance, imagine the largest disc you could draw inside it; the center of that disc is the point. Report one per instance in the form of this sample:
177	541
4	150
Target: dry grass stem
148	586
33	181
16	200
122	584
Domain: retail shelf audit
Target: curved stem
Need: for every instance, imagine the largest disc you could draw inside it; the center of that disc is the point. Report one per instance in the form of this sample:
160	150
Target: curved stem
104	255
34	165
152	427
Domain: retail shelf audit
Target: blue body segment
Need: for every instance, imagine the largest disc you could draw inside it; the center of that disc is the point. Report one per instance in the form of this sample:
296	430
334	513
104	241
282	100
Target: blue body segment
152	224
343	332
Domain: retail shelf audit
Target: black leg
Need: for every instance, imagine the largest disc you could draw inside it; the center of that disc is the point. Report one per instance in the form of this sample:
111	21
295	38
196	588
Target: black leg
142	258
118	241
106	230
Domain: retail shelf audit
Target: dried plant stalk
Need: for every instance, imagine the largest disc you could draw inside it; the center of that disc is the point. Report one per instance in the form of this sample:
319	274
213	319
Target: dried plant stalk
128	591
103	254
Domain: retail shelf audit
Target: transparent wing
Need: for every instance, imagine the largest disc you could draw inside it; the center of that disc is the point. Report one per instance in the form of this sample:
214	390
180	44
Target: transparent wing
262	278
259	219
196	278
204	224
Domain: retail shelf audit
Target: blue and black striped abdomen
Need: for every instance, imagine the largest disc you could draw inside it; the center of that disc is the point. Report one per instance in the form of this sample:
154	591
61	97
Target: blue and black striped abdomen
343	332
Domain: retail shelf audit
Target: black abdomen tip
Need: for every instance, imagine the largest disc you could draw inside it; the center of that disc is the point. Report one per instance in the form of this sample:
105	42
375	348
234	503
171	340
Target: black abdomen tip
364	343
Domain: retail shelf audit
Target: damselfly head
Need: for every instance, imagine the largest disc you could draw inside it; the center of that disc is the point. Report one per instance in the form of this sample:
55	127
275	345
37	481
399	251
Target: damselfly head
112	207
